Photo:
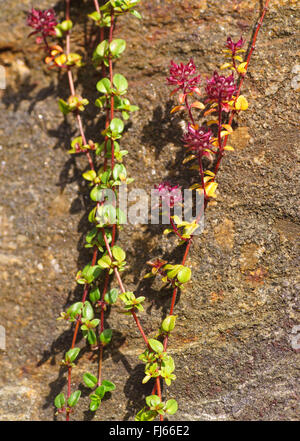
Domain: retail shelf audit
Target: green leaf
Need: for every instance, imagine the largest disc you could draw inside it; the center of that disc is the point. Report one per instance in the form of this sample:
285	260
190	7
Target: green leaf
152	400
136	14
111	296
89	380
95	16
97	194
94	404
105	336
94	295
168	323
121	217
101	49
92	338
116	126
89	175
100	391
66	25
104	86
88	311
108	385
92	215
77	140
74	397
146	415
59	401
117	46
120	83
105	262
63	107
156	345
75	309
119	172
105	176
184	274
72	354
171	407
118	253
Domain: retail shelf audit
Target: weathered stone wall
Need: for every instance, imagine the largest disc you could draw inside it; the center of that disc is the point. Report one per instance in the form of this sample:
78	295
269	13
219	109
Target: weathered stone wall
235	344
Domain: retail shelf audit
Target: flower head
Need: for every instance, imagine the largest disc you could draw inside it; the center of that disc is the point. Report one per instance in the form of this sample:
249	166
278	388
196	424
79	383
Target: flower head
181	76
234	46
170	195
220	88
199	140
42	21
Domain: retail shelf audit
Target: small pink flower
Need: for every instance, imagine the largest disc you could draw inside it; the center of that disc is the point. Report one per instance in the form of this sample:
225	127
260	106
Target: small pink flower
169	194
42	22
220	88
199	140
181	76
234	46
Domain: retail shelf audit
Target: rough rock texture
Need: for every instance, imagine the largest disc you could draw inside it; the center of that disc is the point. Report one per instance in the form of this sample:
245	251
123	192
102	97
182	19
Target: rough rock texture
237	335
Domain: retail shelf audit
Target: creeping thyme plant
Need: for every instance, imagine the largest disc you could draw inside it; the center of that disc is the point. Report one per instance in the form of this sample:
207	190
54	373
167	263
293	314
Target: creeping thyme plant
221	101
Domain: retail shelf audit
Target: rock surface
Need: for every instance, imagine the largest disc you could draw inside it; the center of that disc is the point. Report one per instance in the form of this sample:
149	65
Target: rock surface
236	343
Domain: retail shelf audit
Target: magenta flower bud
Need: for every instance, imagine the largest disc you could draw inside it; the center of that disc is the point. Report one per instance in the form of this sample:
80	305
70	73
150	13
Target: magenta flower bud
220	88
180	76
42	21
169	194
199	140
234	46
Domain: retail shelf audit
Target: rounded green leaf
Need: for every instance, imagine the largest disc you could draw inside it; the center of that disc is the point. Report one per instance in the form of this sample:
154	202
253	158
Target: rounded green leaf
100	391
119	172
168	323
101	49
108	385
171	407
111	296
120	83
72	354
89	380
97	194
105	336
75	309
104	262
118	253
155	345
153	400
94	404
116	125
74	397
59	401
95	295
184	274
89	175
66	25
104	86
88	311
117	47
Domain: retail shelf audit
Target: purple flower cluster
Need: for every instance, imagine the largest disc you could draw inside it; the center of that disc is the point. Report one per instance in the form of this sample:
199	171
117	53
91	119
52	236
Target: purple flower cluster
234	46
169	194
220	88
199	140
181	75
42	21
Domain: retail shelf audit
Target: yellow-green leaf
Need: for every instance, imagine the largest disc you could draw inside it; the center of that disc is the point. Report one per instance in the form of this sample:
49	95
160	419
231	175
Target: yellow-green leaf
241	103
